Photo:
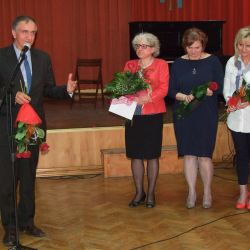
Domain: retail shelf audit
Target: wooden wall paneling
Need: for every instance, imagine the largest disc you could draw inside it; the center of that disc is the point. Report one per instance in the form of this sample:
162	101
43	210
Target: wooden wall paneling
78	151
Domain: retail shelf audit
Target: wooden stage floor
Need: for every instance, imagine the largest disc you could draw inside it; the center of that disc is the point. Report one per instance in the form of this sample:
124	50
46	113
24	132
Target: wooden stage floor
90	212
60	115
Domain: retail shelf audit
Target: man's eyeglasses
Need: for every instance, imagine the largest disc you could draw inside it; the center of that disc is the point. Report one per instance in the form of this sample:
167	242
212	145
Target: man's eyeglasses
143	46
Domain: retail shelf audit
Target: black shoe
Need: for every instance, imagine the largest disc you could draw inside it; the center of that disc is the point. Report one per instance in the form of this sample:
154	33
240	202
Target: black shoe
33	231
9	238
135	203
150	204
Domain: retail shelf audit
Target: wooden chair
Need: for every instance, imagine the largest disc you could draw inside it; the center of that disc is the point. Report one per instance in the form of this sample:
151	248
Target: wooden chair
88	73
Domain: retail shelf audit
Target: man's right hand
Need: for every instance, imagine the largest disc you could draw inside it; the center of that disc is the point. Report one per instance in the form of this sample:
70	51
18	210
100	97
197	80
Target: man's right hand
22	98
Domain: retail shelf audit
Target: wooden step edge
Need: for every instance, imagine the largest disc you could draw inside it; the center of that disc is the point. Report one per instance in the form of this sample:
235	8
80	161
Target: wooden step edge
123	151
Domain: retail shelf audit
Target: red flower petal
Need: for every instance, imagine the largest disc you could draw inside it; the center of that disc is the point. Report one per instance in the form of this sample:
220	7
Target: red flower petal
213	86
28	115
18	155
233	101
133	67
44	147
25	154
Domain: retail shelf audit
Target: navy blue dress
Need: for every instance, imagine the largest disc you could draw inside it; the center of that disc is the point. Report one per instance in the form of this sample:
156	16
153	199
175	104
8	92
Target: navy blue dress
196	132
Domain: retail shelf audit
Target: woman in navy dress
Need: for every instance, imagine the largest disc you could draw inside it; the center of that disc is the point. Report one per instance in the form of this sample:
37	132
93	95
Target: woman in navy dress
196	132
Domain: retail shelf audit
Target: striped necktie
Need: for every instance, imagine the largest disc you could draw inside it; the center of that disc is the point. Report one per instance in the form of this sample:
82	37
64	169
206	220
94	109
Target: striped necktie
28	73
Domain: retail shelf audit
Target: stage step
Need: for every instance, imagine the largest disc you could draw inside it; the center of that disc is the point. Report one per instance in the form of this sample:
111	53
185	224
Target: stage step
116	164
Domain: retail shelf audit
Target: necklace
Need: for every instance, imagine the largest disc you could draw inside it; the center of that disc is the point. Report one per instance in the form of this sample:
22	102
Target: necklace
194	69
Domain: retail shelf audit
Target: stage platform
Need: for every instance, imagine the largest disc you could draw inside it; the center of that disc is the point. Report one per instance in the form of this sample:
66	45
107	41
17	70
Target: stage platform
88	140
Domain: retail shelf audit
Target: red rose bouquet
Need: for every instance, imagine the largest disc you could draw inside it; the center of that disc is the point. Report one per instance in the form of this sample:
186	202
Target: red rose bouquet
199	92
124	88
126	83
28	133
240	98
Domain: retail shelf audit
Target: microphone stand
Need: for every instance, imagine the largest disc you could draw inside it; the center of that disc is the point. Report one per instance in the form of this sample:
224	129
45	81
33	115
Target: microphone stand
7	93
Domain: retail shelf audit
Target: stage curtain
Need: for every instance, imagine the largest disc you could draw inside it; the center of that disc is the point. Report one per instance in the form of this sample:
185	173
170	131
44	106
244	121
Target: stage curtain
76	28
99	28
235	13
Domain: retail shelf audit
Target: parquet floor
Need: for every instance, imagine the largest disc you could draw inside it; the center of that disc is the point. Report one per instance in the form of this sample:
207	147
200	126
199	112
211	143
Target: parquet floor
90	212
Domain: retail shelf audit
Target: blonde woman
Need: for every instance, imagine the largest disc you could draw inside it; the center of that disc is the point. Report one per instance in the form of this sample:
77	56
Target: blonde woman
238	66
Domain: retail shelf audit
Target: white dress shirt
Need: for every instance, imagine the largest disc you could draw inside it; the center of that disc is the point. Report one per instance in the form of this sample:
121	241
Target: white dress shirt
239	120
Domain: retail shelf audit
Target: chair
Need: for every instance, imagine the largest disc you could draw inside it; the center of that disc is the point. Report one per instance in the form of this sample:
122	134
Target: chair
88	73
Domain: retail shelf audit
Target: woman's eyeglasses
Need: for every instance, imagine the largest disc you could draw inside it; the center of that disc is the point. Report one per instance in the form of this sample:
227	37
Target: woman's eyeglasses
143	46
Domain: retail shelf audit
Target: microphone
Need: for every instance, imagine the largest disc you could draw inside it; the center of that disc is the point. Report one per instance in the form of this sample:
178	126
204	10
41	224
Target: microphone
25	48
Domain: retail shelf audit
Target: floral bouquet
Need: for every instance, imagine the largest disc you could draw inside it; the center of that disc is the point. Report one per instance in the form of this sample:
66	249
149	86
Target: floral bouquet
28	133
123	89
126	83
199	92
240	98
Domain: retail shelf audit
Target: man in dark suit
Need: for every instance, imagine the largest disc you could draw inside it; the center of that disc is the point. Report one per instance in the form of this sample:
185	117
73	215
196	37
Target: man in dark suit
24	29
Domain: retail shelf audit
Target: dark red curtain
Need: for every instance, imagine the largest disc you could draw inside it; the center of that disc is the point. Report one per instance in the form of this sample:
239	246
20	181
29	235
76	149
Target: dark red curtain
99	28
76	28
235	13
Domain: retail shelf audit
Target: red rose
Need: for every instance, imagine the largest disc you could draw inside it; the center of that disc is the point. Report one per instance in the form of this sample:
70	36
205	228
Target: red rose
18	155
44	148
213	86
133	67
233	101
147	73
25	154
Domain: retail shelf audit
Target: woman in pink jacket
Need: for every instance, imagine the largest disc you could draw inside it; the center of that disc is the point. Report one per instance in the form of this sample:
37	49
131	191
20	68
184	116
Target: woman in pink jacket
143	135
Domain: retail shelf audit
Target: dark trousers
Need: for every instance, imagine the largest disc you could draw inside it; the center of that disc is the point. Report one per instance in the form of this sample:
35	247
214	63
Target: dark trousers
6	187
25	175
242	150
6	172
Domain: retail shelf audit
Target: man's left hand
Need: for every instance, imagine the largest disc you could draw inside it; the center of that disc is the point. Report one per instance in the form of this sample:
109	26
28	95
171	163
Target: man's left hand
71	84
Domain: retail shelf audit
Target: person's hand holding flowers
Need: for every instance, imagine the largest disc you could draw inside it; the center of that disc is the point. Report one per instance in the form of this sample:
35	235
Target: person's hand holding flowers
193	100
188	98
240	98
27	130
21	97
142	97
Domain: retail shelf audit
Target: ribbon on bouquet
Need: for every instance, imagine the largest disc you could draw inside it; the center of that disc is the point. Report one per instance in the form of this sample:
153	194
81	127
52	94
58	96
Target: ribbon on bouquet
128	99
123	100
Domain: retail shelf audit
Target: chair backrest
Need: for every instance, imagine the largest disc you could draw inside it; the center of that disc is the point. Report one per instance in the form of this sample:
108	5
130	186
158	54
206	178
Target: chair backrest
88	71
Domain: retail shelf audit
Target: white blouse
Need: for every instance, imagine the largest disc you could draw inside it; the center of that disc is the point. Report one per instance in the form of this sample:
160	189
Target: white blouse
239	120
